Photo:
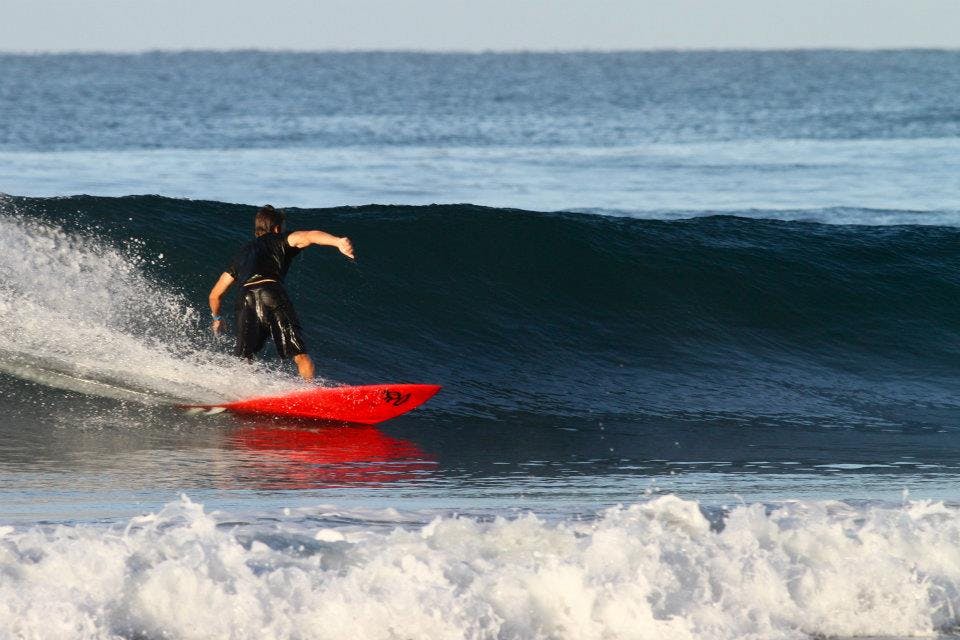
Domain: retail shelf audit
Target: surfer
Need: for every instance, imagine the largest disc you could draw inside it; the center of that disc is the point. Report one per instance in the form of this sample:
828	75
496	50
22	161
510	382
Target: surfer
263	308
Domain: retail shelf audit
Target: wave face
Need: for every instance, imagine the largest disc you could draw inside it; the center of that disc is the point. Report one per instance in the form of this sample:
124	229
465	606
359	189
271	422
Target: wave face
544	314
652	570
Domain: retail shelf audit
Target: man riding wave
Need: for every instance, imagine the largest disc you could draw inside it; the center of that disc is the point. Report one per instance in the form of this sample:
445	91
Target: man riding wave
263	308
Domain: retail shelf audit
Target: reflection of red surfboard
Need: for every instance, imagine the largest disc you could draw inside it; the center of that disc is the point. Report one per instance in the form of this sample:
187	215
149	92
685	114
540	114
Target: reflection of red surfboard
292	457
368	404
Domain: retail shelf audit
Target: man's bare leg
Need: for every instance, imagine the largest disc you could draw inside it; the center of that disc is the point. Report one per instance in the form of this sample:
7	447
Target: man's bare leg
304	366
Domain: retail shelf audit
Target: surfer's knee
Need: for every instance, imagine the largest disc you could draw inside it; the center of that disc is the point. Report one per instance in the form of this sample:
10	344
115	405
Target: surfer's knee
304	365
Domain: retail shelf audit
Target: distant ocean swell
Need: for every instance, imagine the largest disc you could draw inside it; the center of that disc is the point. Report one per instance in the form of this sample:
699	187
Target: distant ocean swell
658	569
559	314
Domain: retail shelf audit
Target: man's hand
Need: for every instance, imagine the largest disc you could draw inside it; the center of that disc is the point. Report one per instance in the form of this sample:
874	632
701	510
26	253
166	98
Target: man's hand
216	294
345	247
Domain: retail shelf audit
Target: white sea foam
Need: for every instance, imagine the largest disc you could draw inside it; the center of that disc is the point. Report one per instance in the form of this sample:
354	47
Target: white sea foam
79	313
652	570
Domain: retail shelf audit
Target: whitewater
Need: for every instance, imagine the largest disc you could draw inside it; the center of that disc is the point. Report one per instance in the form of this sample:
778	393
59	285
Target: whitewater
651	570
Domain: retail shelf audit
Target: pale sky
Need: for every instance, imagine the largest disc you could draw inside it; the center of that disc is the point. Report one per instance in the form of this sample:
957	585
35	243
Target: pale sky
475	25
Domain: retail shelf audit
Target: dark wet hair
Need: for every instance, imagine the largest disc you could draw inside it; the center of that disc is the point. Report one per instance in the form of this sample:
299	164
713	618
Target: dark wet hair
266	219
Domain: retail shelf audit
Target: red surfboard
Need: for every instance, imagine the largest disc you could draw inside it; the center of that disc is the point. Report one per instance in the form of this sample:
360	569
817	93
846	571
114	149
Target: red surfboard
367	404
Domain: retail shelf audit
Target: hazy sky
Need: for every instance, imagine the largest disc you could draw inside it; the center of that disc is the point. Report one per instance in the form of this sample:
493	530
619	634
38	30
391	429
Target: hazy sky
132	25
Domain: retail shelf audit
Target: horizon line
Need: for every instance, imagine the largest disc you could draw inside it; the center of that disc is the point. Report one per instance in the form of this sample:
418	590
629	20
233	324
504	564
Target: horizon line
485	51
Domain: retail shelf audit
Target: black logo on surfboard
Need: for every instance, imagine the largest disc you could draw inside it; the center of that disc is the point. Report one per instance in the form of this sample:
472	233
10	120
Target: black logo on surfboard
395	397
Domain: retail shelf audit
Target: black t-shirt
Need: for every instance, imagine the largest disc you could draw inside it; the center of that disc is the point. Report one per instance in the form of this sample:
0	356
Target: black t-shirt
265	258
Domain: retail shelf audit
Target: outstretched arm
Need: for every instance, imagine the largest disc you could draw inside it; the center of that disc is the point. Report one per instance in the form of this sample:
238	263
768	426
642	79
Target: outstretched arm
303	239
216	294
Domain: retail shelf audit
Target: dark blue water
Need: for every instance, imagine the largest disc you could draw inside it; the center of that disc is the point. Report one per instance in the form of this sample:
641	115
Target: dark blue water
261	100
678	281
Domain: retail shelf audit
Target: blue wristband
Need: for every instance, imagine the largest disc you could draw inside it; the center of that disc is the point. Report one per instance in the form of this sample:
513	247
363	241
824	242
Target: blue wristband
216	318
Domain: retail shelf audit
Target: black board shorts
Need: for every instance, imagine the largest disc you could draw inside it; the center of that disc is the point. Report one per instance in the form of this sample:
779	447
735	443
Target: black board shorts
265	310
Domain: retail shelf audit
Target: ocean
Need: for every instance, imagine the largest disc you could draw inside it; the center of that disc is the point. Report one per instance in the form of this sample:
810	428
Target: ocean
695	316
